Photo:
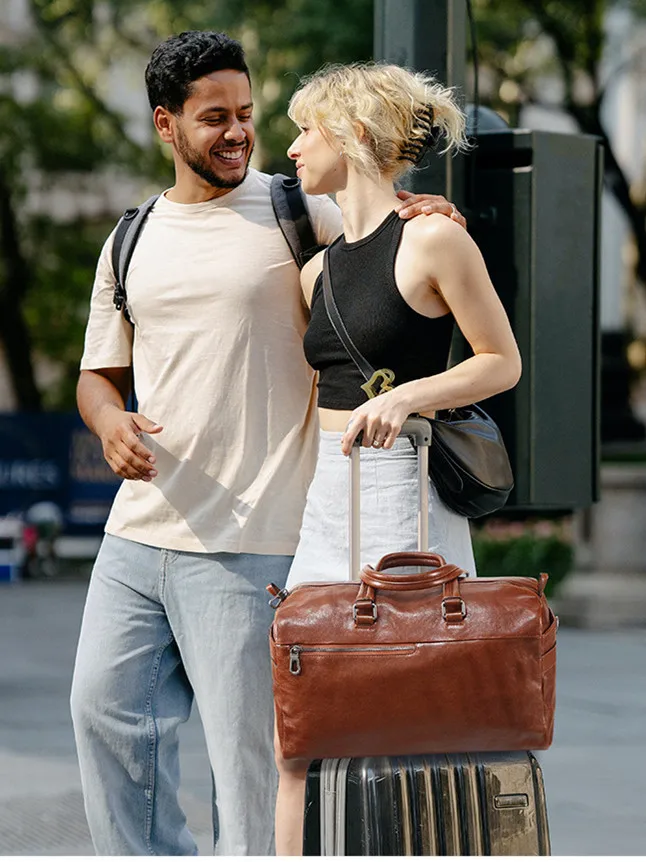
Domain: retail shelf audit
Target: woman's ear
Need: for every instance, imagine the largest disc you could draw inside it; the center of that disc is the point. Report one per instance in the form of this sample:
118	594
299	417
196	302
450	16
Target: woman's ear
360	131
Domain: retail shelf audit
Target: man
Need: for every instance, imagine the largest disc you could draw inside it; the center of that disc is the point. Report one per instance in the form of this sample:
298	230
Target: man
218	461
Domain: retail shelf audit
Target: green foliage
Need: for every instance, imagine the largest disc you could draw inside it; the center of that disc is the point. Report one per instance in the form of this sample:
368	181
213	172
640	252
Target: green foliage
524	551
56	307
58	131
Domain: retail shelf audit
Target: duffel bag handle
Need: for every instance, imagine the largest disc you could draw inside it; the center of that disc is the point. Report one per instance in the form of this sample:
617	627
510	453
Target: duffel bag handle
410	581
364	609
410	558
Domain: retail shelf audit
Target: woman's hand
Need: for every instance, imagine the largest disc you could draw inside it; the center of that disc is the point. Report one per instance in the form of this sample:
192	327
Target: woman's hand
380	419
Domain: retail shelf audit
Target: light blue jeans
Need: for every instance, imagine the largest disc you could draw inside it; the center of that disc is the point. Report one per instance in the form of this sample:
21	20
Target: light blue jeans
159	627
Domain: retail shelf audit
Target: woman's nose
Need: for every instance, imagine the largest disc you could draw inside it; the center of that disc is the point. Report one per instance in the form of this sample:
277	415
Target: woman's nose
292	150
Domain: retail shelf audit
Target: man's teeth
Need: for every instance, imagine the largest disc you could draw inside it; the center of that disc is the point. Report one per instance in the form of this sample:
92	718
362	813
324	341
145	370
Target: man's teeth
230	154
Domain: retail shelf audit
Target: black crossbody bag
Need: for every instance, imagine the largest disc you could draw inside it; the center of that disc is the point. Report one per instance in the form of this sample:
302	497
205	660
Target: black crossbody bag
468	462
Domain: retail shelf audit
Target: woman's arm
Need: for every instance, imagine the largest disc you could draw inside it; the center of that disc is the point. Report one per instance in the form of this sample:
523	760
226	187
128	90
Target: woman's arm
448	260
454	268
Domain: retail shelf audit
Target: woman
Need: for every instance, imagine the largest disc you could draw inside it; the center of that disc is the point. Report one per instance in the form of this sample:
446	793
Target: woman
399	287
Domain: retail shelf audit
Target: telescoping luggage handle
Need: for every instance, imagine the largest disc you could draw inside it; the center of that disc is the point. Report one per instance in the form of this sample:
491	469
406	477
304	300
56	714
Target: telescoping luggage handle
418	430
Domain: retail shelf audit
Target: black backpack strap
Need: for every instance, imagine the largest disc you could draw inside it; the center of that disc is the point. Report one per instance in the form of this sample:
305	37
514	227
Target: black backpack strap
290	208
125	240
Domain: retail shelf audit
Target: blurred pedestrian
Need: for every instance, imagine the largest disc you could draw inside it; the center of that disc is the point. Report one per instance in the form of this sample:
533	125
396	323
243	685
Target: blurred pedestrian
218	460
43	526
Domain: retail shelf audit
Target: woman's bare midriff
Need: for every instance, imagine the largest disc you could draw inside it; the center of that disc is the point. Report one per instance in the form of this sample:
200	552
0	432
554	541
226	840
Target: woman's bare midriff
337	420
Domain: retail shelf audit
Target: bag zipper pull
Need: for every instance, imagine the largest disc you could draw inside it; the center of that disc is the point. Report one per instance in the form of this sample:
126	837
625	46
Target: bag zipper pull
295	660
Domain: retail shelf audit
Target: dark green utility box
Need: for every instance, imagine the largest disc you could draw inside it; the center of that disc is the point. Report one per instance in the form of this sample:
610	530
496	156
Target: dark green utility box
535	204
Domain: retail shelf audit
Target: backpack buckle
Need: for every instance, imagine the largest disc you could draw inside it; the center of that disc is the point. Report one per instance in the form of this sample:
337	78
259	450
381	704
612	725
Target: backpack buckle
119	296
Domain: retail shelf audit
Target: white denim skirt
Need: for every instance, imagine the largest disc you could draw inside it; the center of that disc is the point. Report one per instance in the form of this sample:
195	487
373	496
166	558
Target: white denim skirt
389	513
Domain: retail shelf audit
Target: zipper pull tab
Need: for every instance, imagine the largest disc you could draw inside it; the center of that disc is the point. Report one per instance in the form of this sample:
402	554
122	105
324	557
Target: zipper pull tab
295	660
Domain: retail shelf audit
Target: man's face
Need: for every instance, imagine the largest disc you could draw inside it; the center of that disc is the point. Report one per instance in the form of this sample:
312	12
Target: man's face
214	134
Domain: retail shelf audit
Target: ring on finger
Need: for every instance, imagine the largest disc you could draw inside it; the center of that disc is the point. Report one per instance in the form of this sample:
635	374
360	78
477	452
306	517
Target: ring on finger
453	210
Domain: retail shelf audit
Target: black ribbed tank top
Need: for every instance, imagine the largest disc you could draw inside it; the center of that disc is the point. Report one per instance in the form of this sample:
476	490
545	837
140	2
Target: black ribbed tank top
388	332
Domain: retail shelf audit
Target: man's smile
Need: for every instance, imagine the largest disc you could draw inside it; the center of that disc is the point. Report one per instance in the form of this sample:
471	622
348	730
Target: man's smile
231	155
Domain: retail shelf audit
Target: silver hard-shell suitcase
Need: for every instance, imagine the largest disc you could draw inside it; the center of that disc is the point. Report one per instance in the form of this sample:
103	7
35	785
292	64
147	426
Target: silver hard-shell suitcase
432	805
429	805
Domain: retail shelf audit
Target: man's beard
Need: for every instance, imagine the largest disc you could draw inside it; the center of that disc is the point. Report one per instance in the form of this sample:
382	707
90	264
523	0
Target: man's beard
199	165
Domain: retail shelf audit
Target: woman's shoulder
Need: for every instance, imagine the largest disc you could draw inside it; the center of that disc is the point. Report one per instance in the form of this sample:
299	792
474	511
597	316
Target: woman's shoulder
435	242
436	230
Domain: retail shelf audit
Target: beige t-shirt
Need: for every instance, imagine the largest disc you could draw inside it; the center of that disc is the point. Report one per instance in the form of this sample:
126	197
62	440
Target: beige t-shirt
214	294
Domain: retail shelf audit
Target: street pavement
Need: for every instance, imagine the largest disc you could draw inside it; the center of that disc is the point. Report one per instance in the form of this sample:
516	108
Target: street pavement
595	773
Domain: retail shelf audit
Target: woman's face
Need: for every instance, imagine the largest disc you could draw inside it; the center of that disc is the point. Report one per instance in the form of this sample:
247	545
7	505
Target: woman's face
320	163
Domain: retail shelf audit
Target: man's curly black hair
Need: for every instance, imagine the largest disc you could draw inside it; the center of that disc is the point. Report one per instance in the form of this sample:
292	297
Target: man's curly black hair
182	59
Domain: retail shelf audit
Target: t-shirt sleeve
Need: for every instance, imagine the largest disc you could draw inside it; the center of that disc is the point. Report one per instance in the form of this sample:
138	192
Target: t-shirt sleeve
326	218
108	336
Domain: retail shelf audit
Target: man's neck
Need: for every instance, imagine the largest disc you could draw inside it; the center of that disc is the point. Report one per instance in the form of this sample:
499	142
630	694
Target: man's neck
191	188
194	192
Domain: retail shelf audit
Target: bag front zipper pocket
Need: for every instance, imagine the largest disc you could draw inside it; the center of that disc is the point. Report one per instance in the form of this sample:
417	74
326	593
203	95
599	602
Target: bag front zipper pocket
295	652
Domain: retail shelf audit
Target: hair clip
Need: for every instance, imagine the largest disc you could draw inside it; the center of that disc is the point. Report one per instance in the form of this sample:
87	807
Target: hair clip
426	137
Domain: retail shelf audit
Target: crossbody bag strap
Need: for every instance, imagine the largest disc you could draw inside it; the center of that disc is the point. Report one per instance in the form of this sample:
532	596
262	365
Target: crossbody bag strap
366	369
377	382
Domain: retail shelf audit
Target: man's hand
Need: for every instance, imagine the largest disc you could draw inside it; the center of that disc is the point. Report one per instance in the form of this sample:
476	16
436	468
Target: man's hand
414	205
119	433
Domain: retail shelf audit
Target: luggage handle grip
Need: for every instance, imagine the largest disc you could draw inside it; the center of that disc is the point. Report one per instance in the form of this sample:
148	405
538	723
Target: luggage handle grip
418	581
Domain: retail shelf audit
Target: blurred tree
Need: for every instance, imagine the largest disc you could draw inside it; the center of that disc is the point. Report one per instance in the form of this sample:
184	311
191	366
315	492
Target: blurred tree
60	132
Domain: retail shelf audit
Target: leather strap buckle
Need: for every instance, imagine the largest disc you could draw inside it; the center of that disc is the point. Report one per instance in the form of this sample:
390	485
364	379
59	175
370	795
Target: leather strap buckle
358	613
455	614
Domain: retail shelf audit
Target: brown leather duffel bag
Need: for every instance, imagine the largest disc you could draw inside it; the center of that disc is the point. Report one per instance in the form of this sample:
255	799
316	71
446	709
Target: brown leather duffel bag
414	663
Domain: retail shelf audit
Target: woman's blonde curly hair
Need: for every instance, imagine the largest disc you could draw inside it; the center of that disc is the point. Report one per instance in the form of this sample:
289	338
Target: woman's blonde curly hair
385	116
